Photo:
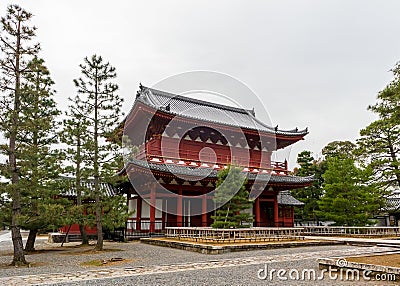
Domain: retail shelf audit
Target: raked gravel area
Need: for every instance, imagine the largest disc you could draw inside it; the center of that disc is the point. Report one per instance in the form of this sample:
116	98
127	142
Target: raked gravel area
153	265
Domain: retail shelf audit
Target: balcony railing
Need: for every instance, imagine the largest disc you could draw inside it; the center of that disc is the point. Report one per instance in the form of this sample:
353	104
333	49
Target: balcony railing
188	158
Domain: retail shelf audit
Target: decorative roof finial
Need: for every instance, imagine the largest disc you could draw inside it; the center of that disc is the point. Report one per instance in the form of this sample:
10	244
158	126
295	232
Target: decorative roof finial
168	107
253	112
141	86
276	128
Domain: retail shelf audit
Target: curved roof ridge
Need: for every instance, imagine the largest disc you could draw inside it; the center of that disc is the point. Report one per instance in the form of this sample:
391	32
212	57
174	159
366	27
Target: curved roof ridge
151	96
199	101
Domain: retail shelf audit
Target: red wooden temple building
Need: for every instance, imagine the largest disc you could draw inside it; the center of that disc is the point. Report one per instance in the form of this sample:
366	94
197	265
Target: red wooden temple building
183	143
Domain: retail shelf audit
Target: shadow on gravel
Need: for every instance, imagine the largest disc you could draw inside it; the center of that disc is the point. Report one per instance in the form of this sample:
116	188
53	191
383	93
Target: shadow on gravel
30	265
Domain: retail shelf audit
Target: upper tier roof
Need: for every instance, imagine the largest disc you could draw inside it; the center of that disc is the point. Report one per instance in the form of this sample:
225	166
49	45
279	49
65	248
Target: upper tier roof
207	111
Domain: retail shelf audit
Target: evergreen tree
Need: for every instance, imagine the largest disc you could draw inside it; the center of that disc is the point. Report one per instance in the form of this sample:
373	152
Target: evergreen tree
379	144
340	149
309	195
74	135
231	189
99	104
17	51
39	166
349	199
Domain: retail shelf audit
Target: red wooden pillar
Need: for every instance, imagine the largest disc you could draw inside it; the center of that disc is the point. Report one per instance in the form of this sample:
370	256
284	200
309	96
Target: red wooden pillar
292	213
276	210
257	212
204	210
179	207
153	208
139	213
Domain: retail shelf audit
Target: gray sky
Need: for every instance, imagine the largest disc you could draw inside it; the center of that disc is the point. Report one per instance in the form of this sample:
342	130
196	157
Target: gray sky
315	64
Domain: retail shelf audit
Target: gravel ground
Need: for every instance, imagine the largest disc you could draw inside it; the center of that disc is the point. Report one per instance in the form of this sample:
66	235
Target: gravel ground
58	260
243	275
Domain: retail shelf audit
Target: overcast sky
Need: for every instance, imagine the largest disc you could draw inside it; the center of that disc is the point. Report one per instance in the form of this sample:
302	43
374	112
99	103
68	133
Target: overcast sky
315	64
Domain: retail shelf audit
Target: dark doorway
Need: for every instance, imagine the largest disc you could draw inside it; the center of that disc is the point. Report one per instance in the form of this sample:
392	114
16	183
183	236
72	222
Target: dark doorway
266	214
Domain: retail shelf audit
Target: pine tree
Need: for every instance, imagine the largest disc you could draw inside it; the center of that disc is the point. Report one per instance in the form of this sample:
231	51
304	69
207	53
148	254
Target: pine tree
233	198
379	144
74	135
342	149
350	198
17	51
39	166
309	195
102	108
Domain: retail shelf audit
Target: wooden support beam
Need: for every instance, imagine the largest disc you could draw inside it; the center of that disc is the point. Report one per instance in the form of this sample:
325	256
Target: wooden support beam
139	213
276	210
179	207
153	208
204	211
257	212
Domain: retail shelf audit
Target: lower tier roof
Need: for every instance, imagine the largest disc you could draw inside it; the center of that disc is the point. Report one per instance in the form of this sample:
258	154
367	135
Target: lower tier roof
198	172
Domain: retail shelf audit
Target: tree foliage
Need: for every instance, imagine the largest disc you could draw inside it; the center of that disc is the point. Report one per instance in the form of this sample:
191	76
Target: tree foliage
231	189
17	50
349	198
99	104
379	144
339	149
74	135
309	195
39	164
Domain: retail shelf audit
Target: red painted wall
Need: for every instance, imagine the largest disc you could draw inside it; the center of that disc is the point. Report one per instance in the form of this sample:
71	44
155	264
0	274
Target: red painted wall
174	148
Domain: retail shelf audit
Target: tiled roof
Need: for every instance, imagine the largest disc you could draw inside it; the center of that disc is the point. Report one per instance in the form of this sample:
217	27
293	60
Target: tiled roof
210	173
286	199
88	187
208	111
393	202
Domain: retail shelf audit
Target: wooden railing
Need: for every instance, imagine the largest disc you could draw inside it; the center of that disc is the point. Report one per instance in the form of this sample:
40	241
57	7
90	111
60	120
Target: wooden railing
187	156
351	231
253	234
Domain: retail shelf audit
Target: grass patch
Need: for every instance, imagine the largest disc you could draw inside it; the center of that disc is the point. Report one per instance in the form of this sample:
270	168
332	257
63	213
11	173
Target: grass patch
392	260
100	262
96	262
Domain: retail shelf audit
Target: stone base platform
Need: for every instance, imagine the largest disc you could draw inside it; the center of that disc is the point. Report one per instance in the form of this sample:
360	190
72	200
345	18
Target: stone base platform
219	249
389	273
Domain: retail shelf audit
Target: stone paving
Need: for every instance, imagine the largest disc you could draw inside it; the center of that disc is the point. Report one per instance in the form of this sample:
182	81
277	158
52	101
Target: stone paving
110	273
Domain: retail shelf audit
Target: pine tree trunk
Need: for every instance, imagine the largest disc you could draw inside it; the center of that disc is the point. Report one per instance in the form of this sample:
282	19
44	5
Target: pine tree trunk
30	243
78	187
394	163
19	256
99	225
85	238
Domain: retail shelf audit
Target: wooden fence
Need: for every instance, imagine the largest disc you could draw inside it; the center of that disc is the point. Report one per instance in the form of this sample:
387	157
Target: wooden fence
254	234
370	231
